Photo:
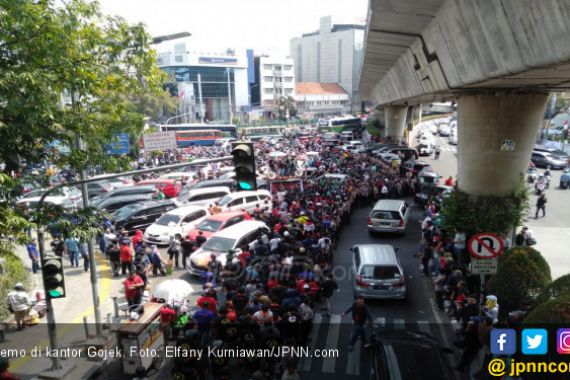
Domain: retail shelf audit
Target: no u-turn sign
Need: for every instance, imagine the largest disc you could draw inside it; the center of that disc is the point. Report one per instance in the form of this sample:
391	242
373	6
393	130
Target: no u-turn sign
485	246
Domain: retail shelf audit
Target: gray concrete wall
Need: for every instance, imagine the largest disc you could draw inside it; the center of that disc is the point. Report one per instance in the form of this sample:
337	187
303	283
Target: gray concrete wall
485	121
480	44
395	122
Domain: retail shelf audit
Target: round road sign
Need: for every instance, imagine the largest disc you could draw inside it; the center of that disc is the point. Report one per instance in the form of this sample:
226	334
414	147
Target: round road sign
485	246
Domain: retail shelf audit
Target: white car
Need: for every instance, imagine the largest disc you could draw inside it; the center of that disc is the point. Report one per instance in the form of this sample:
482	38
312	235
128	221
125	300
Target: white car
389	158
246	201
32	202
64	196
444	129
175	222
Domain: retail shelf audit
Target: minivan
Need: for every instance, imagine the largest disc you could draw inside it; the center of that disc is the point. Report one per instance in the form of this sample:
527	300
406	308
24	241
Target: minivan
221	242
175	222
138	216
113	204
389	215
246	201
203	197
377	272
124	191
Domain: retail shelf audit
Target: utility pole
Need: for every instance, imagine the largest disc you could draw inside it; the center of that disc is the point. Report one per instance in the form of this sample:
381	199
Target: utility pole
230	95
200	98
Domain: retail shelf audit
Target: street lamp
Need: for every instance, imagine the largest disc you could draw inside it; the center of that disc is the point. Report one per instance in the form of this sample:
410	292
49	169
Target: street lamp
169	37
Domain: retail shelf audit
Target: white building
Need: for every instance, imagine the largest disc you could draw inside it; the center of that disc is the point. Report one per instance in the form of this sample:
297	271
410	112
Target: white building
223	75
332	54
276	80
321	100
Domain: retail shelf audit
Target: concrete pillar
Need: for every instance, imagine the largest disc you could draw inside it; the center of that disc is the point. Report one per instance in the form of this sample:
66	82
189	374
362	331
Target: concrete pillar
486	166
395	122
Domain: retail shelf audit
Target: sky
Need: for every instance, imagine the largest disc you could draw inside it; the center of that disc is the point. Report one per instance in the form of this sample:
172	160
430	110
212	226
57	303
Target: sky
215	25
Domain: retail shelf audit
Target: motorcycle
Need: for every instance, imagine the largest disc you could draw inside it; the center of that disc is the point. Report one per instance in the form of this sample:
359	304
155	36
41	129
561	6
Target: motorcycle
565	180
531	175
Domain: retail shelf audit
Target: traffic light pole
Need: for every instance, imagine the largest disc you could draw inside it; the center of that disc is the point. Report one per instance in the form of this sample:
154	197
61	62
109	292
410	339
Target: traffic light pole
52	328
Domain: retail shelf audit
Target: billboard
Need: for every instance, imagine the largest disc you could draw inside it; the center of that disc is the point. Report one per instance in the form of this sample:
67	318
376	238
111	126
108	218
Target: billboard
159	141
119	145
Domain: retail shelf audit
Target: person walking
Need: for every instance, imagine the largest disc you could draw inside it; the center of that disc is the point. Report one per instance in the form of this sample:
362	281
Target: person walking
72	247
437	153
174	250
541	205
34	256
328	286
360	316
114	255
84	249
19	302
126	256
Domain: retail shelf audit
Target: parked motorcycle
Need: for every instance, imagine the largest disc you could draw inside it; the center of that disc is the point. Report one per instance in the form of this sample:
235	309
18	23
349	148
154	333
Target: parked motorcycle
531	175
565	179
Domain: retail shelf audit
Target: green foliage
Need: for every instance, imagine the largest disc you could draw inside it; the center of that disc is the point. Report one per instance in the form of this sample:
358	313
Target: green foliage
49	50
522	274
558	288
13	221
462	212
11	271
555	311
286	106
374	126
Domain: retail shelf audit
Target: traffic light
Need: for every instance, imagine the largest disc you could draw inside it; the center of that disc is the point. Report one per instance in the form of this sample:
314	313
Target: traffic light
52	271
244	163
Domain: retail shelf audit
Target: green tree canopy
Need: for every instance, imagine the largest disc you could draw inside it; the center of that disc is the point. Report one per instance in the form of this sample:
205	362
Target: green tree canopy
559	287
522	274
555	312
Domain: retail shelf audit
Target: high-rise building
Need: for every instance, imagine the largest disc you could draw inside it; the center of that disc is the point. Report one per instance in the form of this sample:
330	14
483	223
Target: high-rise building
332	54
276	80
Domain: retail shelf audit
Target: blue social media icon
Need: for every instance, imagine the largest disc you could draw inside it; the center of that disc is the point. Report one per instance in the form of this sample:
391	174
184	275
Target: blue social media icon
503	341
534	341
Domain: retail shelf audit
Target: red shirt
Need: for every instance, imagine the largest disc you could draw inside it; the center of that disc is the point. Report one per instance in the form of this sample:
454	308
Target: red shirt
243	258
301	286
212	303
271	284
167	315
132	293
125	253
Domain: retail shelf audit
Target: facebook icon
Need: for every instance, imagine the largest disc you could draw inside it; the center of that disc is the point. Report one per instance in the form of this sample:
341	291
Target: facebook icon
503	341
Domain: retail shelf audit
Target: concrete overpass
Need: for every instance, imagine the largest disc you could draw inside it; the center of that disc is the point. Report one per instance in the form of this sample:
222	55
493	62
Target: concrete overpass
497	58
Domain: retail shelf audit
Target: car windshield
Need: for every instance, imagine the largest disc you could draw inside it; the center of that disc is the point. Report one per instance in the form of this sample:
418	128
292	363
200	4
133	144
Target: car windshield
124	212
380	272
168	220
209	225
219	244
225	200
403	358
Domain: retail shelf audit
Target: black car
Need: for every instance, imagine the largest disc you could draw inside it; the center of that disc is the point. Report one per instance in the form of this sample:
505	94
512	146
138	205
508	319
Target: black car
113	204
138	216
124	191
408	355
407	152
416	167
98	188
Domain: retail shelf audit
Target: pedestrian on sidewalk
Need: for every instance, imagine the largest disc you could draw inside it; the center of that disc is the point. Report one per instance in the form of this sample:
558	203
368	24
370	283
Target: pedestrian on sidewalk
126	256
541	205
73	250
85	255
134	288
58	246
437	153
328	286
360	316
174	249
34	256
114	255
19	302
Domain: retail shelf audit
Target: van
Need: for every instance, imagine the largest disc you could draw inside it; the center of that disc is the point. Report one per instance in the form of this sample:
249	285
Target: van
176	222
221	242
389	215
203	197
246	201
377	272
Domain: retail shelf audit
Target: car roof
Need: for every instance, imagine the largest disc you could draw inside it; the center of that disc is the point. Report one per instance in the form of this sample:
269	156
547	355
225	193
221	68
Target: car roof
186	209
248	192
376	253
151	188
388	204
124	198
223	216
211	189
151	203
157	180
240	228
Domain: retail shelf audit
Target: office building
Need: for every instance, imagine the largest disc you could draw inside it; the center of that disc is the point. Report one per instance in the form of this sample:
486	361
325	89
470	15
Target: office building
332	54
276	79
321	100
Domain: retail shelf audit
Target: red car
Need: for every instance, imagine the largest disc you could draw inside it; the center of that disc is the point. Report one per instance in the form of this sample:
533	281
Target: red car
215	223
169	187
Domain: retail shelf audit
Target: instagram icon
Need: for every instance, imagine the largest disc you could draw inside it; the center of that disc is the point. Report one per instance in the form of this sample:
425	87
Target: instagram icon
563	341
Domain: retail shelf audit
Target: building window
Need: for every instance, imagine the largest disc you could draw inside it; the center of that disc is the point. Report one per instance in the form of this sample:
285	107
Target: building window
178	59
268	91
287	67
277	67
266	67
268	79
288	91
288	79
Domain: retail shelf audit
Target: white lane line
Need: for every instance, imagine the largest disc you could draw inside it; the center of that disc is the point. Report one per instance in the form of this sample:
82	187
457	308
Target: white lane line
306	365
353	364
332	342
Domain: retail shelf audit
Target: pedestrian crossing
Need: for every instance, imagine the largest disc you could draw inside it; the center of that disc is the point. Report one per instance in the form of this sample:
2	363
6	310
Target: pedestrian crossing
334	332
448	149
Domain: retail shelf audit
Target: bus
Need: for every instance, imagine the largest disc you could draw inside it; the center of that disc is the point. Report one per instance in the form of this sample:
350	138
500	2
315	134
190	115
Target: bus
255	133
197	137
228	130
340	124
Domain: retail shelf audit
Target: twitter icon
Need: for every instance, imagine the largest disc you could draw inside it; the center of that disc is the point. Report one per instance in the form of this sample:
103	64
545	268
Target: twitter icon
534	341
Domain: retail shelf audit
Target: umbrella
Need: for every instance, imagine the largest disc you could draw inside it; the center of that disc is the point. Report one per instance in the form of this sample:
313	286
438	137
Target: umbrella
172	290
277	154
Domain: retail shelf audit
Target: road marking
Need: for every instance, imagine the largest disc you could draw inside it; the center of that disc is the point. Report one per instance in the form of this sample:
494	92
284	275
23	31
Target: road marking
399	324
306	365
332	342
105	285
380	322
424	327
353	364
442	331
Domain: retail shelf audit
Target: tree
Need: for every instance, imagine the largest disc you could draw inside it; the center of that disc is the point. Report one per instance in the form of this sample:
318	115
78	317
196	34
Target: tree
522	275
555	311
557	288
286	107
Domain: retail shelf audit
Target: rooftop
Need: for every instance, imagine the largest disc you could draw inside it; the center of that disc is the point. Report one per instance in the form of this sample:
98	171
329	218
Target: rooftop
318	88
